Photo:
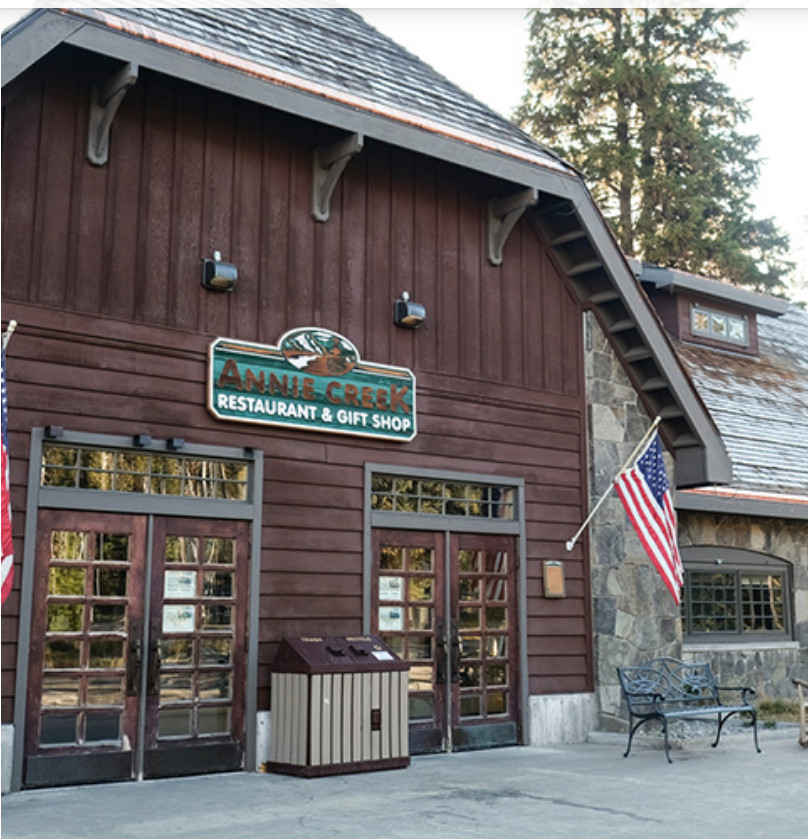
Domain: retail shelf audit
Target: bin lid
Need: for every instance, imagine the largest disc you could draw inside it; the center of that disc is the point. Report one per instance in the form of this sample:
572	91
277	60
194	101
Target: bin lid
335	654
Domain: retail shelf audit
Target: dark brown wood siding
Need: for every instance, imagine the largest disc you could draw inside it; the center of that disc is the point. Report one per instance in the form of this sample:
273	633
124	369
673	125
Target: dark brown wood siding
101	268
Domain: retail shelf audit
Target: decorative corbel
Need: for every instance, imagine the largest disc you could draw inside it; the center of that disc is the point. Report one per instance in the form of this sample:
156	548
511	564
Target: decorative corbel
105	98
329	163
503	214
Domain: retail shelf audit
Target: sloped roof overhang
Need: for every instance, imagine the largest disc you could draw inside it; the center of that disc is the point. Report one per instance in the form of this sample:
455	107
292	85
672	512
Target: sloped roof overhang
566	215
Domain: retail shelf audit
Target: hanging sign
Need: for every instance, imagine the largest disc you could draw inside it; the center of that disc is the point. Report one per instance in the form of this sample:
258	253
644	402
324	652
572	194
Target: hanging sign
314	379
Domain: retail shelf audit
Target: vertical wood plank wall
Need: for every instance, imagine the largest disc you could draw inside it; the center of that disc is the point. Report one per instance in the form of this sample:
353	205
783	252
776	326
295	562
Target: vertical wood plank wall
101	268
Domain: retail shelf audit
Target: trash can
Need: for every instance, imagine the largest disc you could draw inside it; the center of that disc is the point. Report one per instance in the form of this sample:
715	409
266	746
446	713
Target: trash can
339	705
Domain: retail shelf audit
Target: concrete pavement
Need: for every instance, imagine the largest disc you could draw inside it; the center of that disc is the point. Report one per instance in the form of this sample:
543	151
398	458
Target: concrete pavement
575	791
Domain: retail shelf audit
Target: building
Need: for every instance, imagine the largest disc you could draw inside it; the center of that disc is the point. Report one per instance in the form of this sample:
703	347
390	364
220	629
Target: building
300	353
744	544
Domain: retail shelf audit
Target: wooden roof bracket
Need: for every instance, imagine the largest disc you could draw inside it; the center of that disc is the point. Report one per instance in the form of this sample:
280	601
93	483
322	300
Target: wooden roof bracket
329	164
105	98
503	214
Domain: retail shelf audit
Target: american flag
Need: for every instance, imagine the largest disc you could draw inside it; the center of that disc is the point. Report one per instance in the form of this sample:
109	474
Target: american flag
5	499
645	493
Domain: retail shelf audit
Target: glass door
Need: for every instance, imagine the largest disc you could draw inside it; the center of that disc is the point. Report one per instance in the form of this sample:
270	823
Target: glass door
196	675
447	605
138	648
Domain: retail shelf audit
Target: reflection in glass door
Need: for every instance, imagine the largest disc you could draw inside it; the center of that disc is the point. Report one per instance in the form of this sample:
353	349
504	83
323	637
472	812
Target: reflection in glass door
127	680
448	608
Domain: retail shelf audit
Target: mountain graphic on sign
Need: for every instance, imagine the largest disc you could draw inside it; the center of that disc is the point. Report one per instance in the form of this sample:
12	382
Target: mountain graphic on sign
319	352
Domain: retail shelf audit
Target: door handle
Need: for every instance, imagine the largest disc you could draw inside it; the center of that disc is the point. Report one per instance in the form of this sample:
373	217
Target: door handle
456	653
134	658
440	642
153	681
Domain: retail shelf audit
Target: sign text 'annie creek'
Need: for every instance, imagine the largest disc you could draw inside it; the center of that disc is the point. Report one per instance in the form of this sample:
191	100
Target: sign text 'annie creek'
314	379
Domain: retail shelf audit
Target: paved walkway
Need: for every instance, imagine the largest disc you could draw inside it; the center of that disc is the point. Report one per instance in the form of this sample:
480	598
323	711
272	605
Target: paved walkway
580	791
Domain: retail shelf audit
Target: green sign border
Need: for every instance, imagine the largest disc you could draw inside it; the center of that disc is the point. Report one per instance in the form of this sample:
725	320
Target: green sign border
310	401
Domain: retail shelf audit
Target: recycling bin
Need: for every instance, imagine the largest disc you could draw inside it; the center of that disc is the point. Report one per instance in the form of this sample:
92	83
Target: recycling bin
339	705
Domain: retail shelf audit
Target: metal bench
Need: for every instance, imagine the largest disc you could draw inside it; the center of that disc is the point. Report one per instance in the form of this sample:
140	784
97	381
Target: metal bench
667	689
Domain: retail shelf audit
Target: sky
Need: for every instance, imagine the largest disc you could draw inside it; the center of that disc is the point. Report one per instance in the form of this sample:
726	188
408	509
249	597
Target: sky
483	49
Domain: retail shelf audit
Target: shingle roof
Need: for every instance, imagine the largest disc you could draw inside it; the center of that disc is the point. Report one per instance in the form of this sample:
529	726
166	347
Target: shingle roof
336	47
760	405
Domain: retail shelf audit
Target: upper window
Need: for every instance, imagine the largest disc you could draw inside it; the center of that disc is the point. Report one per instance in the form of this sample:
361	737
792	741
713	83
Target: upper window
442	498
720	326
126	471
731	594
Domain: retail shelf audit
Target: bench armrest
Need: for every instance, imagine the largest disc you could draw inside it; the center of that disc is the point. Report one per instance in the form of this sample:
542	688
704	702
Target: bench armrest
746	691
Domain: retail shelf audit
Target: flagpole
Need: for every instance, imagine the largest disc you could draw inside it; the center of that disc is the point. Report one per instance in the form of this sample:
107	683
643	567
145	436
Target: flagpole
12	325
570	544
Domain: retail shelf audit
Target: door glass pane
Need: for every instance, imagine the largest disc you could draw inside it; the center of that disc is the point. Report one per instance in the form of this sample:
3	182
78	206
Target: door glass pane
420	647
420	618
497	646
106	653
470	705
469	589
468	561
58	690
58	729
104	691
217	616
64	581
470	618
110	583
496	675
103	726
182	550
177	651
174	723
62	654
215	686
469	675
217	585
214	720
391	558
215	652
421	560
497	703
420	589
395	643
421	707
68	545
496	618
471	647
107	618
65	618
421	677
175	688
112	548
220	551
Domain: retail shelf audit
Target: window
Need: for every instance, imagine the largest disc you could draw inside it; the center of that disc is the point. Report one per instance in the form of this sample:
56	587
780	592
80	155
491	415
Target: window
732	594
720	326
123	471
442	498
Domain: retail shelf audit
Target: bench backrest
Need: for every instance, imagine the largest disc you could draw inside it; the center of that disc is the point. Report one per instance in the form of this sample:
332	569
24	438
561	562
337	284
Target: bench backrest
678	682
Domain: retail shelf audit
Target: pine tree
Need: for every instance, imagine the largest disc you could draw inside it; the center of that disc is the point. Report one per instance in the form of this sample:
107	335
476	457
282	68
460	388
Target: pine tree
631	98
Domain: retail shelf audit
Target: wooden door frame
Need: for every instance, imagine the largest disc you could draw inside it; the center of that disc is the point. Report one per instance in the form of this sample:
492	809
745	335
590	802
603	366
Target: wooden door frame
60	498
515	527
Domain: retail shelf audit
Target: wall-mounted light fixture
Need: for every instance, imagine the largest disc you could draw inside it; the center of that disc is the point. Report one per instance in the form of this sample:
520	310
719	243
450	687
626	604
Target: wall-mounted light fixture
218	275
407	313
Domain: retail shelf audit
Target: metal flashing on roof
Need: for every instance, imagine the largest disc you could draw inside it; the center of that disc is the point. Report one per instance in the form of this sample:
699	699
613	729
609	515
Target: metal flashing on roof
675	280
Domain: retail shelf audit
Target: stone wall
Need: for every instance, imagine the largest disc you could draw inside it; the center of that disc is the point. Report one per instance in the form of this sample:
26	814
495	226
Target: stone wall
767	666
635	617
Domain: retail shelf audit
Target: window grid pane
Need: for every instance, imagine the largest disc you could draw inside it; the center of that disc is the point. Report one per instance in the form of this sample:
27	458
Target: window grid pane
442	498
89	468
735	602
